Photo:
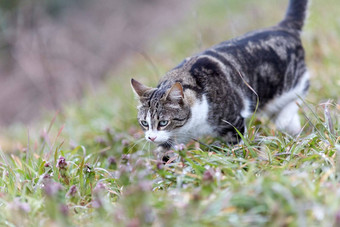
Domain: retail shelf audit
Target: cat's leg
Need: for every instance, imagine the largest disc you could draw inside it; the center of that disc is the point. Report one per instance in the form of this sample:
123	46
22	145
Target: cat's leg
288	119
164	153
160	152
231	133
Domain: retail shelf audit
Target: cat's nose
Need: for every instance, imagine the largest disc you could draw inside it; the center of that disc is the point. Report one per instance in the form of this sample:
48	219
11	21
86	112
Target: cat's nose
152	138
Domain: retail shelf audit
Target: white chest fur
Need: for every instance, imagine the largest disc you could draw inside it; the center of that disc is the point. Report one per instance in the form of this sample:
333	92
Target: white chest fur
198	125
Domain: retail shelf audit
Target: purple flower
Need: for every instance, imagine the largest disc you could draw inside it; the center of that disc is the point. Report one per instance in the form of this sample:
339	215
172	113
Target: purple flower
99	187
125	143
112	163
61	164
64	209
52	188
20	206
208	176
47	165
159	165
72	191
337	218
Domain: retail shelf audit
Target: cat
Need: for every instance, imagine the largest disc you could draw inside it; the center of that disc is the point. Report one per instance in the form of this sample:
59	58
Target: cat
213	92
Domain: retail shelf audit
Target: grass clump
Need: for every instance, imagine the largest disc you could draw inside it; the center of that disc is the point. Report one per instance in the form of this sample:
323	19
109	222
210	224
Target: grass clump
90	166
114	179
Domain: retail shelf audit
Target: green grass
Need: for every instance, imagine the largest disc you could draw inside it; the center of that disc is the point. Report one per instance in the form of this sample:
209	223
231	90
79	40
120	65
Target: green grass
89	165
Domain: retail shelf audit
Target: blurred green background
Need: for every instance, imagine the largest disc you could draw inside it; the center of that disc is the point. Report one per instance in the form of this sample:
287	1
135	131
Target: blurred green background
52	51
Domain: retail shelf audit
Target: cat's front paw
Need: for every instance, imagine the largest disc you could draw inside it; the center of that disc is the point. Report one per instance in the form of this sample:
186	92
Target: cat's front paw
165	155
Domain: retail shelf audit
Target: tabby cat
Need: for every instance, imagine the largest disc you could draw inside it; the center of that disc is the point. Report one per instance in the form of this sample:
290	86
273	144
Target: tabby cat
213	92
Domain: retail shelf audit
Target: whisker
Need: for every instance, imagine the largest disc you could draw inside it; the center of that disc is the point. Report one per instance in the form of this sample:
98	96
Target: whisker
134	144
146	142
149	150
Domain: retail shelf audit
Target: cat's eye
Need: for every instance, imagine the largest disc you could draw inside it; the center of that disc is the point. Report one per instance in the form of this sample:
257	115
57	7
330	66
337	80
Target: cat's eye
163	123
144	123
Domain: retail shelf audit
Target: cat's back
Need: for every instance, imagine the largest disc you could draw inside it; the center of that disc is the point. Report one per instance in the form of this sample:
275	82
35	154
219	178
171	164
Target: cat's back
275	45
269	60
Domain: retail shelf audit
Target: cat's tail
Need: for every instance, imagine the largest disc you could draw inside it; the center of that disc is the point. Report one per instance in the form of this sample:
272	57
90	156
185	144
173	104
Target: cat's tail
295	15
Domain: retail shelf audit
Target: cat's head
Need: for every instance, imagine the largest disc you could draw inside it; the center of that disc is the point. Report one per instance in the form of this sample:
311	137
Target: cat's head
162	112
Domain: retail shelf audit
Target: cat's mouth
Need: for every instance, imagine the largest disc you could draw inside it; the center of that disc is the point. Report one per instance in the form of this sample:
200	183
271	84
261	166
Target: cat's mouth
160	142
164	142
157	137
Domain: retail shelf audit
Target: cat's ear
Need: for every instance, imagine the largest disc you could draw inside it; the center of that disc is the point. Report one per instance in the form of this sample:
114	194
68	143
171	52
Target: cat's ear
139	89
175	92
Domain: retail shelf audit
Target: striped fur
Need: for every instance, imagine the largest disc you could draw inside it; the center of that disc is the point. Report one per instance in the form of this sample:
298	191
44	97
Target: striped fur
214	91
